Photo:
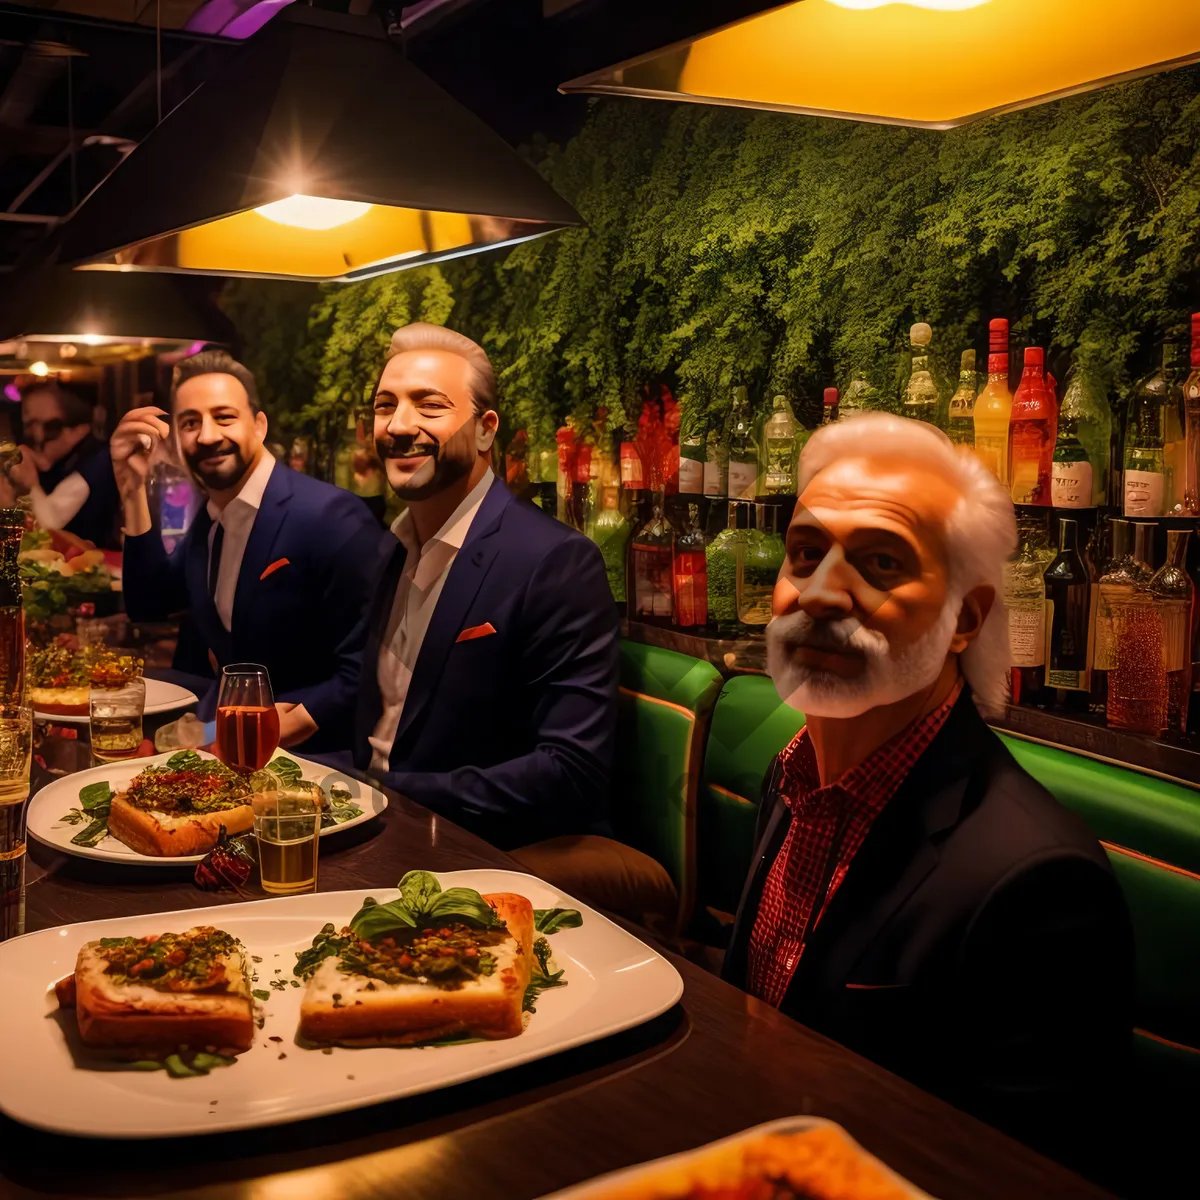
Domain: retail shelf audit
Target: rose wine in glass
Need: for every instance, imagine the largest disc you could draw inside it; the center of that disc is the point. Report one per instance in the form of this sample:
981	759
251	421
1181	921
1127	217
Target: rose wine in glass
247	720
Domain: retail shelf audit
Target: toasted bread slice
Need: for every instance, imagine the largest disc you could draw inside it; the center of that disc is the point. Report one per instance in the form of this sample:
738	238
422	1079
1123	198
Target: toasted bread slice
60	701
356	1010
120	1013
165	836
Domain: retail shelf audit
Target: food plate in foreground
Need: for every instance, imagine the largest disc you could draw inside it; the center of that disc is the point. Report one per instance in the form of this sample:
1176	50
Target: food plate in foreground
50	1081
70	814
798	1158
161	697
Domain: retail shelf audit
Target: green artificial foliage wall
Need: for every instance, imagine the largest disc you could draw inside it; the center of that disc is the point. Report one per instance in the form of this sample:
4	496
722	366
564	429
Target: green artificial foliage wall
724	246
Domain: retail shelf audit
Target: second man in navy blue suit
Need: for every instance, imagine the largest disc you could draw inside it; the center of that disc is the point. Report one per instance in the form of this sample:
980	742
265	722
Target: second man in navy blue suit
490	673
277	569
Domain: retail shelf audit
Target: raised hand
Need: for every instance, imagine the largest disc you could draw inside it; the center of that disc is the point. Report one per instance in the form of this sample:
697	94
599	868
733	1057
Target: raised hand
131	445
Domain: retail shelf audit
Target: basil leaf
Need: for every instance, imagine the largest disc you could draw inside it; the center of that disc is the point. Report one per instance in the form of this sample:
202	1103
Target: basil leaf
183	758
464	904
551	920
94	834
379	920
94	795
74	817
417	890
285	769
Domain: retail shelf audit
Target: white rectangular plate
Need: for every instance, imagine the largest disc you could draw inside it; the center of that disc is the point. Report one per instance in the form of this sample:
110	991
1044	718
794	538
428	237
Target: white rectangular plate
47	809
614	982
604	1186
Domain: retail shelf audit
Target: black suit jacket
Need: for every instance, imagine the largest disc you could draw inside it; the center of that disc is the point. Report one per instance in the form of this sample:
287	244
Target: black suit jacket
979	944
511	733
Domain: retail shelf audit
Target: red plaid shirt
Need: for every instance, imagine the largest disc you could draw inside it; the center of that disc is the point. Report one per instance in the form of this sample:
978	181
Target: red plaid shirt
829	825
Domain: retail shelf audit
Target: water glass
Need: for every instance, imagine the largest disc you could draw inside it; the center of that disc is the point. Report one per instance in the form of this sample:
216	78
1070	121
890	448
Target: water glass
116	720
16	742
287	824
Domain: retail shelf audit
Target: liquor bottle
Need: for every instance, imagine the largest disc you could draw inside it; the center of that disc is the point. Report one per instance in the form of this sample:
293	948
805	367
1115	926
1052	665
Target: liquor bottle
961	426
14	727
1069	618
565	438
610	531
1191	451
993	406
670	422
1031	434
1025	602
1174	434
724	557
689	572
1171	590
1137	680
829	406
762	555
650	568
715	464
779	449
926	397
1084	423
859	395
1145	466
691	453
742	472
1124	572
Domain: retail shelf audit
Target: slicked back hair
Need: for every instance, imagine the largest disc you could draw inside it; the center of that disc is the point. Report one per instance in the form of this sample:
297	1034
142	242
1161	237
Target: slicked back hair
215	362
422	336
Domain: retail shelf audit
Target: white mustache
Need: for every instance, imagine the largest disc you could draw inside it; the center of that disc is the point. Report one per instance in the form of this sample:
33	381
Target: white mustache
836	634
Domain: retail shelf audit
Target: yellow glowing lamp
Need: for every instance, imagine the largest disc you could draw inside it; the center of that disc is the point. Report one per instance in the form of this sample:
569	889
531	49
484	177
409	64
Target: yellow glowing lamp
926	63
39	369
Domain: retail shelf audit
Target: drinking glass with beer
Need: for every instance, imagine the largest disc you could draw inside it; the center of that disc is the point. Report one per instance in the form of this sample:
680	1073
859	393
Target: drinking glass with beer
16	741
247	720
287	824
116	703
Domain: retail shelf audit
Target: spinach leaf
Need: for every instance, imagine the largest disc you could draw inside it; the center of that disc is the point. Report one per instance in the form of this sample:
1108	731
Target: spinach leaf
94	834
183	758
551	920
417	890
463	904
285	769
94	795
326	944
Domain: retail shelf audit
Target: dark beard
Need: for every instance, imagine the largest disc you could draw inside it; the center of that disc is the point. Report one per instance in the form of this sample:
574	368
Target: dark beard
220	472
447	470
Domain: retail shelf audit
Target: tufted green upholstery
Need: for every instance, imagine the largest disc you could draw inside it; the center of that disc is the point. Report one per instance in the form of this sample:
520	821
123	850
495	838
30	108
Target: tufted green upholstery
665	703
749	727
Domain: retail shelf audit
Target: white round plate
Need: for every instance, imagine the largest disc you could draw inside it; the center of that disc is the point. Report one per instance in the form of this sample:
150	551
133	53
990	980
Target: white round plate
161	697
48	808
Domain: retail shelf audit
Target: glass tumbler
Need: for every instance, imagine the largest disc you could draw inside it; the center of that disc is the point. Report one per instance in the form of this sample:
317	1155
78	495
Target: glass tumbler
116	720
16	741
287	825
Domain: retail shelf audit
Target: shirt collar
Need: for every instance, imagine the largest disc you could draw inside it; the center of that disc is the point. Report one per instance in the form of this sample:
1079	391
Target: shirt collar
454	531
252	490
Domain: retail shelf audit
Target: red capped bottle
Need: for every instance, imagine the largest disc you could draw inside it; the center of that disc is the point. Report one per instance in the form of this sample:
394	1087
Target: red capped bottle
1032	430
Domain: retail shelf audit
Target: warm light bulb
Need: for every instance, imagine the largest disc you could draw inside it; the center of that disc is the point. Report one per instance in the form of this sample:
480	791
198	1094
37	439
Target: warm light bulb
39	369
312	212
91	339
937	5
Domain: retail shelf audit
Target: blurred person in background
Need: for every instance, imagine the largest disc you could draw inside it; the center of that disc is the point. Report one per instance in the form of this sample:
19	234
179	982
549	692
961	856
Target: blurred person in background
65	469
277	568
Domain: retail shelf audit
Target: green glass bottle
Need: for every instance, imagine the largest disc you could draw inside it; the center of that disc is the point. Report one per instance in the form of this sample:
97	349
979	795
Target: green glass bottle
742	472
1084	425
1144	482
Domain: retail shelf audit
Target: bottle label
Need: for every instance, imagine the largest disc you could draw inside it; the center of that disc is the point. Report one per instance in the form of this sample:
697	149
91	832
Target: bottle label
1143	493
1111	598
691	589
652	581
1026	463
712	478
1071	485
1176	628
691	475
631	467
1027	637
743	479
583	464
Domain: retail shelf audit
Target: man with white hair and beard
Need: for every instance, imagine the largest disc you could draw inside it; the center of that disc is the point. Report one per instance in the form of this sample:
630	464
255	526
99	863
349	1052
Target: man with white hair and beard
915	895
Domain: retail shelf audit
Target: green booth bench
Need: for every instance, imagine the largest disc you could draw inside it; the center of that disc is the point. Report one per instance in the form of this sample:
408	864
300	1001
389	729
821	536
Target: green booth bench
691	755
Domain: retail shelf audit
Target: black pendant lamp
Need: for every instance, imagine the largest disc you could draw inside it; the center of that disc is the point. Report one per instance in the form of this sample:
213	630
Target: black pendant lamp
319	153
930	64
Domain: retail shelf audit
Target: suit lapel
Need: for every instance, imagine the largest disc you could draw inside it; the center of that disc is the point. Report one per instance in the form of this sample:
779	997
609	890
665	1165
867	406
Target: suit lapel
467	572
264	531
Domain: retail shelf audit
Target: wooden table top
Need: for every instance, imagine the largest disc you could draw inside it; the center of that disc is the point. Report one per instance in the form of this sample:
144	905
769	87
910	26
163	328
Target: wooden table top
719	1062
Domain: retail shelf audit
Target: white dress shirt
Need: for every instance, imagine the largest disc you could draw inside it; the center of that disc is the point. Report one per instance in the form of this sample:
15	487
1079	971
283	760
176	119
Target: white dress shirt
54	509
237	519
425	571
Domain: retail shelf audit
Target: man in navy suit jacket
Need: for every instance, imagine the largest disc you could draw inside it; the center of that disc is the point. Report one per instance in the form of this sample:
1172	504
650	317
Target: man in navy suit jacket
490	674
277	569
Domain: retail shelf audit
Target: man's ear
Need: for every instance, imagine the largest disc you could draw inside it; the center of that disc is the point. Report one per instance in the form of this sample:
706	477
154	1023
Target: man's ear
260	424
486	427
976	605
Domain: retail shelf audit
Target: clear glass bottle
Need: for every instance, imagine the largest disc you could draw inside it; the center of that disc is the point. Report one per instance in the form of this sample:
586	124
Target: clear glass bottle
691	450
780	449
715	463
1171	590
689	571
1025	602
1069	616
1120	576
1174	434
1137	680
926	396
761	557
724	558
1145	466
993	405
1191	453
860	394
1084	417
742	472
961	426
1031	433
650	568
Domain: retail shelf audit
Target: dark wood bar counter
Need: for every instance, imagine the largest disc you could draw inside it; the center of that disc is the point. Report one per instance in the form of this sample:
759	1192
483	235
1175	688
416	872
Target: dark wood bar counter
716	1063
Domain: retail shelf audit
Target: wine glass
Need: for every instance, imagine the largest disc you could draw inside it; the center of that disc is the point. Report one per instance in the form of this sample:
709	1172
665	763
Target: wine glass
247	720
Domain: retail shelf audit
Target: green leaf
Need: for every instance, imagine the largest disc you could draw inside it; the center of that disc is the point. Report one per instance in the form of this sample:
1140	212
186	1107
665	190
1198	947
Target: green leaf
551	920
74	817
183	758
380	920
418	888
203	1061
464	904
327	943
287	770
146	1064
261	994
178	1069
94	834
542	978
94	795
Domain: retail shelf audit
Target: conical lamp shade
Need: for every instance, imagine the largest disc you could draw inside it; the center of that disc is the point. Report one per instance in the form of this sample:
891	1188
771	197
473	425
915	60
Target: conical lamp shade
926	63
366	165
94	308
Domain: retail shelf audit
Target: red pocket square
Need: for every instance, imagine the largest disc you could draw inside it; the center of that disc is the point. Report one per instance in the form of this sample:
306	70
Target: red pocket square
476	631
279	562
